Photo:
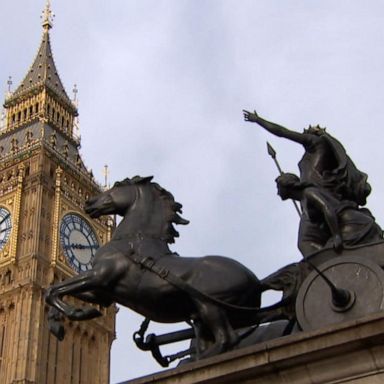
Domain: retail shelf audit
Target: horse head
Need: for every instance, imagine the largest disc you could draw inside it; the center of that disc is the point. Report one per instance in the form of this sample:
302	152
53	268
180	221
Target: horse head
147	208
116	200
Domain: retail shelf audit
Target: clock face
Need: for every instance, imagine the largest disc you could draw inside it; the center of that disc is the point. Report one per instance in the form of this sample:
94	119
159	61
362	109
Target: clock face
5	226
79	242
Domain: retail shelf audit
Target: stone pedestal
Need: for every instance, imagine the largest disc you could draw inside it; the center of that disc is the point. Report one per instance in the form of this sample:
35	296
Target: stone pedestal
350	352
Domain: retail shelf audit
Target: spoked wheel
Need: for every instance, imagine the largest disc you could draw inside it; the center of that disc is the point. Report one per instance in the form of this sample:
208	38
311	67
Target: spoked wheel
362	282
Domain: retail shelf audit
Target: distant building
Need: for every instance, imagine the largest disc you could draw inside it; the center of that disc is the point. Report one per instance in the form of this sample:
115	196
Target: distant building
43	187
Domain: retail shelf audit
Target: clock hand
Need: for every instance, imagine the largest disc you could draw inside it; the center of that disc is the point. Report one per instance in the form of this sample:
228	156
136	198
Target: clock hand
5	229
5	218
80	246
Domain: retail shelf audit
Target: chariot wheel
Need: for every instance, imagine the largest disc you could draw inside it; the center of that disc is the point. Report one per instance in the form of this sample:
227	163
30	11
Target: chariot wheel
362	282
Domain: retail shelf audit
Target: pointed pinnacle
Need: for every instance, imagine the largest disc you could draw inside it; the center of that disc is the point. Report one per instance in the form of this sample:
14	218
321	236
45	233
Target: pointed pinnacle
47	16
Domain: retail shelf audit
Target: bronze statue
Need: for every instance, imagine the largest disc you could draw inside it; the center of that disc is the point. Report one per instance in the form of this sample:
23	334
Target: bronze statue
337	237
325	162
327	221
137	269
218	297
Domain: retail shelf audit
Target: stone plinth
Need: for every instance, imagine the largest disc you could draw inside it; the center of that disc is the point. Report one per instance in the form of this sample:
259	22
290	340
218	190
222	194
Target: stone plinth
351	352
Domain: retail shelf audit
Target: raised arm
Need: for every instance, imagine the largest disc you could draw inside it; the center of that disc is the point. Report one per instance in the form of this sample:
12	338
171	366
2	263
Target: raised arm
276	129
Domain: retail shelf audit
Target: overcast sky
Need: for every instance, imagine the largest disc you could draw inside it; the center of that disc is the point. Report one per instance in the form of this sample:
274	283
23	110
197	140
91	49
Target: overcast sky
162	85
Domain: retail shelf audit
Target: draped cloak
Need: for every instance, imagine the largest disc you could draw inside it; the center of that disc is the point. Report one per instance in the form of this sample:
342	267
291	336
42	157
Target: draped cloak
343	179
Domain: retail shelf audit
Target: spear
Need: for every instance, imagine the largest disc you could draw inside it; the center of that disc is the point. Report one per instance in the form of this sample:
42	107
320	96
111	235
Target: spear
272	153
341	298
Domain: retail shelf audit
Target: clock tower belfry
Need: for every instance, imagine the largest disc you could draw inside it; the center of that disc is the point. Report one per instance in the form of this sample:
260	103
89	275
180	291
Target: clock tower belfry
44	235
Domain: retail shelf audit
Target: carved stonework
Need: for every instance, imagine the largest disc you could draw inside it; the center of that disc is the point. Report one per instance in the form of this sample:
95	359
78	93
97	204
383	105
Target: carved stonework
38	152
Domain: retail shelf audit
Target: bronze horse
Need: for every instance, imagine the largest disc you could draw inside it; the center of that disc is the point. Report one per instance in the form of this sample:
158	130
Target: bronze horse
136	269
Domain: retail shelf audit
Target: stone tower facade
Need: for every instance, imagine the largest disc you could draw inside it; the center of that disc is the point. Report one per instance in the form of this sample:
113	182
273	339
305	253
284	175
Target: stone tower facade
44	235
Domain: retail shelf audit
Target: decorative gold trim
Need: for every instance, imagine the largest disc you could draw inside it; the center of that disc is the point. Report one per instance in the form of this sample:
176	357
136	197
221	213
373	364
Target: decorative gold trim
16	213
56	215
5	251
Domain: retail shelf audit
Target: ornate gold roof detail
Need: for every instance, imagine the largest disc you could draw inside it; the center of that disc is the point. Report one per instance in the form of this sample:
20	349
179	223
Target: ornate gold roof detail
42	74
47	16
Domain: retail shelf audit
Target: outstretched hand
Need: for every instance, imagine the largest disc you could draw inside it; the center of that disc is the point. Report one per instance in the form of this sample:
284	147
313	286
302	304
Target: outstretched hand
249	116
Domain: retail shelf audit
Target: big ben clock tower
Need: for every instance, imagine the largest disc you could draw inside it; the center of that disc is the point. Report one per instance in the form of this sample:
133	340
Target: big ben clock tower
44	235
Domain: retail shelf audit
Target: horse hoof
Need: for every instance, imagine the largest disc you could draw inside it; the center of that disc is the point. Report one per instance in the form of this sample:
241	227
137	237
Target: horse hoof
57	330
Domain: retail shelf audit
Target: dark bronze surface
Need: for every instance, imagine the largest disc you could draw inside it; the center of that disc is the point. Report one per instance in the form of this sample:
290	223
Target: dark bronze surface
361	277
330	188
337	236
137	269
339	279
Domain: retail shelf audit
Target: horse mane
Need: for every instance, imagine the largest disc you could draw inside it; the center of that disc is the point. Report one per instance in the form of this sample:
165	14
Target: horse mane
172	207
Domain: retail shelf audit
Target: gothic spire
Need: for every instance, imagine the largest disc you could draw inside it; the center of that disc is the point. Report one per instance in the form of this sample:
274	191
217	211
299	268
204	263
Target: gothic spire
43	72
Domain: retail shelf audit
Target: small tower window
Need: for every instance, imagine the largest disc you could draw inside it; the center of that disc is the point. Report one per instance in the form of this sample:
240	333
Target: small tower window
30	110
19	116
8	277
36	107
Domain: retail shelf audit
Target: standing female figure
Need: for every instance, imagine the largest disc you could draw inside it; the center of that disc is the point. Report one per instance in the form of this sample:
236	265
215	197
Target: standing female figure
325	162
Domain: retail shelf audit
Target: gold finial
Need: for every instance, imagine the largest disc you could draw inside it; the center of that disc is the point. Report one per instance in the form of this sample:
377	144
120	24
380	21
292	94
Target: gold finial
9	82
75	92
106	174
76	123
47	16
9	87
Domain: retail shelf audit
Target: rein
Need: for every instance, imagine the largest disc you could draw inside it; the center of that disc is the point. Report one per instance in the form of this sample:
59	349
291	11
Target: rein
150	264
164	273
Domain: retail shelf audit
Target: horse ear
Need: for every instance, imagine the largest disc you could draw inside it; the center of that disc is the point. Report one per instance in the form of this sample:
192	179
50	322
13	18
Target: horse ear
141	180
146	179
126	181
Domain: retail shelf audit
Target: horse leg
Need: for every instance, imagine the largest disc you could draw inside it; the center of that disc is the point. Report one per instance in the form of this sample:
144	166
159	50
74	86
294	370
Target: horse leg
99	279
77	285
216	320
55	323
203	338
94	297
